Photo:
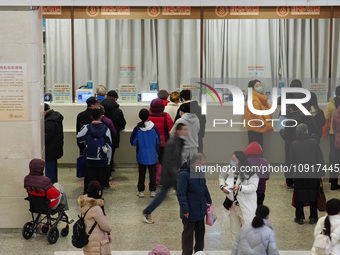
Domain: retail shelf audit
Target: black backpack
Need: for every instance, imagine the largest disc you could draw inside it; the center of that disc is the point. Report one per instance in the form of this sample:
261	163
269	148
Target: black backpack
79	237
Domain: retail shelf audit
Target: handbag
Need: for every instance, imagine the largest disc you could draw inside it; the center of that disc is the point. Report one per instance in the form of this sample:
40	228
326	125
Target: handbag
326	128
321	198
227	203
322	244
211	215
80	167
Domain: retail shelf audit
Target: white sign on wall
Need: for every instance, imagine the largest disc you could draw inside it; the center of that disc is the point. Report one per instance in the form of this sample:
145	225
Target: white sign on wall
13	87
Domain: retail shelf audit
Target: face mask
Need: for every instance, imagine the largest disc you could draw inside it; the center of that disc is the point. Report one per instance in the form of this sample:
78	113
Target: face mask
233	163
259	89
182	137
202	168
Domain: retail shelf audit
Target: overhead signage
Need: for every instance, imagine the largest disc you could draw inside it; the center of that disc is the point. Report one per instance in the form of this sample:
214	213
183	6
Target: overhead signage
51	10
176	10
305	10
244	10
115	10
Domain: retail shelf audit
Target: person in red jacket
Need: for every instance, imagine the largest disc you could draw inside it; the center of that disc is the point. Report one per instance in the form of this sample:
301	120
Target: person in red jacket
163	122
55	193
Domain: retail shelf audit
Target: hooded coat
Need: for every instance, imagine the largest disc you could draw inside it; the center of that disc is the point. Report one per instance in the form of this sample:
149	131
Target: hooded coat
193	125
146	139
113	112
254	156
161	119
192	193
37	179
260	102
54	135
98	240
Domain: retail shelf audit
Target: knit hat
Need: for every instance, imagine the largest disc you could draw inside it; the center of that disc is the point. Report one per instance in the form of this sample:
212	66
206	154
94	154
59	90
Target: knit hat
46	107
159	250
91	100
185	107
112	93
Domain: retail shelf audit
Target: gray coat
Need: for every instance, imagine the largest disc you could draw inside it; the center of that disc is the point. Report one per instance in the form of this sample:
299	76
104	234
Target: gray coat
255	241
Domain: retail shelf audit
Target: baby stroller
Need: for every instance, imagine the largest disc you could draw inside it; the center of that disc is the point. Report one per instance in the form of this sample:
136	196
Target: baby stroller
39	205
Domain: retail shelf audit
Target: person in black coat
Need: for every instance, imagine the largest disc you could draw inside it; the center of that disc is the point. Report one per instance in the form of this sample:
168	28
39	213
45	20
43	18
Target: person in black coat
54	141
84	118
305	151
317	113
185	97
171	163
115	114
289	132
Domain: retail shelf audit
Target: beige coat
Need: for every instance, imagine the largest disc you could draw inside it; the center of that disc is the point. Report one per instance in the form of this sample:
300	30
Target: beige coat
98	240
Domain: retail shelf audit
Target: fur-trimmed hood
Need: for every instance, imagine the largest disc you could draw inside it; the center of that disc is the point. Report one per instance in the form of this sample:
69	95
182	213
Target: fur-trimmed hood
87	202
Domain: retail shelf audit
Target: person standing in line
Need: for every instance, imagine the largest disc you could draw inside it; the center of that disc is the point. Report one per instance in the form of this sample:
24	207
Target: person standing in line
330	225
336	131
163	94
258	234
97	139
329	112
173	106
100	93
260	102
171	164
84	118
317	113
54	142
305	150
163	122
185	97
240	188
145	137
191	121
93	206
194	199
254	156
114	113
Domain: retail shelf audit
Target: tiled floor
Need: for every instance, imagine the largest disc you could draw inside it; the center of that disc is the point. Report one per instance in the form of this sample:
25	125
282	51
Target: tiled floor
131	234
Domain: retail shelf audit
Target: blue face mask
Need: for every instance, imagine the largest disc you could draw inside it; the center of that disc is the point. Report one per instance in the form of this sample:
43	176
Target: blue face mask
259	89
233	163
182	137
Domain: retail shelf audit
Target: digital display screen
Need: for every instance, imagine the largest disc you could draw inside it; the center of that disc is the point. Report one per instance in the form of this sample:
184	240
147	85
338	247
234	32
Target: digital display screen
83	96
149	96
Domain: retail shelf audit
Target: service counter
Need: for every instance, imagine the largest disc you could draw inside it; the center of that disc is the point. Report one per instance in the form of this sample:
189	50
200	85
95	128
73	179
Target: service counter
219	141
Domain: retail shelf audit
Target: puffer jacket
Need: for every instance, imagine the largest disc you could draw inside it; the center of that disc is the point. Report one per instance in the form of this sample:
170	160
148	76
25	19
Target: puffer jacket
193	125
255	241
54	135
260	102
330	109
161	119
246	196
98	240
335	232
336	127
37	179
254	156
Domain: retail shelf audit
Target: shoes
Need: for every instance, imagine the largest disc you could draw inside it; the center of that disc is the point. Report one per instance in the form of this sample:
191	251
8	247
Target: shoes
290	187
313	221
299	221
140	194
152	194
335	186
147	218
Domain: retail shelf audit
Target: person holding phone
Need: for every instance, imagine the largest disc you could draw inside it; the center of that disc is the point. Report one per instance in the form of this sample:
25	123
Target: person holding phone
240	185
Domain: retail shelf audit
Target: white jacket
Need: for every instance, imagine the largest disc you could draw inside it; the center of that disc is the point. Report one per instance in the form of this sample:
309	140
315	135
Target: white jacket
246	196
171	109
335	232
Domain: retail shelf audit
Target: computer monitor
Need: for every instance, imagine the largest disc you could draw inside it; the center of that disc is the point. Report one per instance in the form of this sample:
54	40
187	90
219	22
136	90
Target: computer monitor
148	96
83	94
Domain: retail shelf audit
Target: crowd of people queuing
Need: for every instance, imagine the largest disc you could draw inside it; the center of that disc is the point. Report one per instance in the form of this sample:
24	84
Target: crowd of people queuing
169	143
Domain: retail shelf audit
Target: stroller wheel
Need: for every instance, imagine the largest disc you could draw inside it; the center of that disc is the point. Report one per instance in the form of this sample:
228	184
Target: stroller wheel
28	230
53	235
64	232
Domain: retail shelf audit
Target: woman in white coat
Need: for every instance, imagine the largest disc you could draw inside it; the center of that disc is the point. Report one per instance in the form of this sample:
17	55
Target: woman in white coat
240	185
331	224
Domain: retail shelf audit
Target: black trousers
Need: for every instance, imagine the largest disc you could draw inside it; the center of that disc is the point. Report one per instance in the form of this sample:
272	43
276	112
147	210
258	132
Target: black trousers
255	137
112	160
333	176
299	210
160	154
189	228
94	174
200	144
141	177
260	198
